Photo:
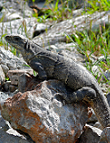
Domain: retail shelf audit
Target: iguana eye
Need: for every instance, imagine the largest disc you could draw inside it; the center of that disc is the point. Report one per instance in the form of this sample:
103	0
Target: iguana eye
16	38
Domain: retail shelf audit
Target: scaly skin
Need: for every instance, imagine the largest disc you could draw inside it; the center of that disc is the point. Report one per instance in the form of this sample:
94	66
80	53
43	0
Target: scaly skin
79	79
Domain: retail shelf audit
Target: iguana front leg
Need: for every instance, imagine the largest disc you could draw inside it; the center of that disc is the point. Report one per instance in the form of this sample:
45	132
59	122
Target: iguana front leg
38	68
85	93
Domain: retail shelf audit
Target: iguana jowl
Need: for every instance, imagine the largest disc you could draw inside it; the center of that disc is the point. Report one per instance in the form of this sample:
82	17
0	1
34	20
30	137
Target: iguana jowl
50	65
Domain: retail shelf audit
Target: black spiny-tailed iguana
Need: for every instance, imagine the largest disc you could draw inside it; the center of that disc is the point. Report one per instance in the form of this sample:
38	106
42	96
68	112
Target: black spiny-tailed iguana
50	65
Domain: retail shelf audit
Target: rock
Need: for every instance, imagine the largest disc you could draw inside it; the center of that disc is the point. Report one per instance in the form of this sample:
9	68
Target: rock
106	75
8	135
97	71
27	82
12	88
3	124
15	74
75	56
2	75
23	26
6	85
3	96
17	6
98	125
90	135
77	12
44	115
40	28
5	69
108	98
40	2
69	50
76	3
5	15
105	136
101	58
9	61
93	118
60	31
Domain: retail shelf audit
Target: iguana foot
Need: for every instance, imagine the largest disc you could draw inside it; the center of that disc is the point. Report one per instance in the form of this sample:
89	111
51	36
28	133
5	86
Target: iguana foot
85	93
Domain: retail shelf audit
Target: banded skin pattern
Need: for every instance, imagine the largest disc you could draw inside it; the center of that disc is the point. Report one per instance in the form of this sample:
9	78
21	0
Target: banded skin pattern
53	66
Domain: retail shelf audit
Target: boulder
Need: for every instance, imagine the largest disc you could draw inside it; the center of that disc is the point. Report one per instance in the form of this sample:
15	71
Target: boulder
108	98
2	76
27	82
15	74
61	31
8	135
44	115
9	61
90	135
105	136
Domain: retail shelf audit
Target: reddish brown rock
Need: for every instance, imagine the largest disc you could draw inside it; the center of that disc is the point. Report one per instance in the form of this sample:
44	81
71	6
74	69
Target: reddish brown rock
44	115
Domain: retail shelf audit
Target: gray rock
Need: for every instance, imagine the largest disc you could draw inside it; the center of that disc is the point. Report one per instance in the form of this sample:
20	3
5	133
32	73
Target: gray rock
59	31
77	12
2	75
15	74
7	134
97	71
98	125
3	124
68	50
105	136
17	6
46	114
3	96
5	69
5	15
106	75
9	61
5	137
13	88
6	85
93	118
108	98
24	26
76	3
40	28
90	135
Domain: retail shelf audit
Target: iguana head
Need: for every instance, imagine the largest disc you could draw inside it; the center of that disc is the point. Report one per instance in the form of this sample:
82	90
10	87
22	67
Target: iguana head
22	44
17	41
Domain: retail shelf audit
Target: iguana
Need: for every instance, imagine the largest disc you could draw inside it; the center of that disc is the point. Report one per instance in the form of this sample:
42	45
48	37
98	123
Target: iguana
54	66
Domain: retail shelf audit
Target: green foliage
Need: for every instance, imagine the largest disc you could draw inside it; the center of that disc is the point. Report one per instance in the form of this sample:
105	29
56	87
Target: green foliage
7	78
33	0
2	42
98	5
93	43
54	11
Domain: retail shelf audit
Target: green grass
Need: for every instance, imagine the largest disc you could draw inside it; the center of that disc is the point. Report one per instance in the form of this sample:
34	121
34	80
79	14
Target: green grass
98	5
55	12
